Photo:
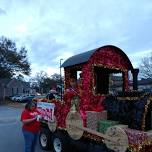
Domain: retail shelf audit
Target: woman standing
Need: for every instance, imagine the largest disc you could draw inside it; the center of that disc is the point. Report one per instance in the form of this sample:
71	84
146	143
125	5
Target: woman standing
30	126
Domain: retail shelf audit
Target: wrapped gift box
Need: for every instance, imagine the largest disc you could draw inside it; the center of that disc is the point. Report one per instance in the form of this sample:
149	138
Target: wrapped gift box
103	125
136	137
139	140
94	117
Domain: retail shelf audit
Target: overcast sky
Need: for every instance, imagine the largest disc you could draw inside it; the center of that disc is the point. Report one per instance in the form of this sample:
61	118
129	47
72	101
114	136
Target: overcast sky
55	29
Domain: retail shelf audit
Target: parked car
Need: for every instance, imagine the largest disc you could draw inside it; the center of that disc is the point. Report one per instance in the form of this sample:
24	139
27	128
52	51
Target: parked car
27	99
14	97
18	97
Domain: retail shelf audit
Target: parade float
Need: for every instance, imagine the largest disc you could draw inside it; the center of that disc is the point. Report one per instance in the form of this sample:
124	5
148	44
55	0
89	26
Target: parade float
96	117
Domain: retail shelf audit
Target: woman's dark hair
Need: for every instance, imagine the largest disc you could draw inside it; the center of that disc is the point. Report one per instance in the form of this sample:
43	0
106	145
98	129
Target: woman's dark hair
29	105
51	96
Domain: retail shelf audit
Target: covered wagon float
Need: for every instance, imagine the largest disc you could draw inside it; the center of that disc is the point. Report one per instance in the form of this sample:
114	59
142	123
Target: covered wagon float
96	117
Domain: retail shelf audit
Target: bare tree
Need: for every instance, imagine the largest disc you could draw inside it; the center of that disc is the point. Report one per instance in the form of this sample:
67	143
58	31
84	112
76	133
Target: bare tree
146	67
39	79
43	83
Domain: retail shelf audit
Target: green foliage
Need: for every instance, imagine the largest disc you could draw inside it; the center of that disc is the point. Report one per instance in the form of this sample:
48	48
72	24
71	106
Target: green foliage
12	60
47	84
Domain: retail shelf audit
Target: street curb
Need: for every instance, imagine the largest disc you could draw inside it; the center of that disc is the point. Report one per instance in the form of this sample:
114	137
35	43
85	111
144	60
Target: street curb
14	105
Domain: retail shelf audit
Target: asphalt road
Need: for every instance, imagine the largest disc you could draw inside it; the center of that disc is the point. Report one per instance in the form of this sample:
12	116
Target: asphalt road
11	138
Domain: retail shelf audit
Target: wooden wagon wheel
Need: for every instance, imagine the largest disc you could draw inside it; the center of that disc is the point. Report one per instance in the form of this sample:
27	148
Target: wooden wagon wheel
121	139
115	137
73	122
52	124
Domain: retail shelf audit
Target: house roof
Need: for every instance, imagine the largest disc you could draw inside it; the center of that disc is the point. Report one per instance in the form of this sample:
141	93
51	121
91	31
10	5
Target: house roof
5	81
145	81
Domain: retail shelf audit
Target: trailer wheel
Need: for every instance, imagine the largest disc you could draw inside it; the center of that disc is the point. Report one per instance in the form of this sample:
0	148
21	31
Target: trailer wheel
45	139
60	142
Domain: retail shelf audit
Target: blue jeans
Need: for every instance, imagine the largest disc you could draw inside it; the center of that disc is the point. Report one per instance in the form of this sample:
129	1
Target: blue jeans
30	140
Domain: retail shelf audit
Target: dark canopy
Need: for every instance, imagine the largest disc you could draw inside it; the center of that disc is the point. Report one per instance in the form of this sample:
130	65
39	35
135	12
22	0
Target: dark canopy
78	59
84	57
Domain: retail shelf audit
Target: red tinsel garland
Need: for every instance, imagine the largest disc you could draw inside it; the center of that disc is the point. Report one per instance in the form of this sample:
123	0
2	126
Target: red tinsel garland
108	58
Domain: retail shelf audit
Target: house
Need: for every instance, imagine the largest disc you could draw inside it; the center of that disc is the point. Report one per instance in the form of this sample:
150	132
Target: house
116	83
145	84
10	87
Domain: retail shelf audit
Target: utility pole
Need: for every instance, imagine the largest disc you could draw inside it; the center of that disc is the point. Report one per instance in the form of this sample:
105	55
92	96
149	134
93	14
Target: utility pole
61	79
